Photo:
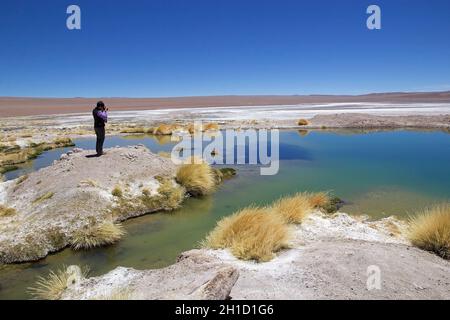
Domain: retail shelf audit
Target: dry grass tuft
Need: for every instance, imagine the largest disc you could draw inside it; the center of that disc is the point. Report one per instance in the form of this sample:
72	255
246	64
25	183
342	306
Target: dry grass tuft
170	196
164	129
211	127
251	234
21	179
140	130
197	177
302	122
97	235
430	230
43	197
11	156
117	192
63	142
319	199
293	209
191	129
6	211
53	286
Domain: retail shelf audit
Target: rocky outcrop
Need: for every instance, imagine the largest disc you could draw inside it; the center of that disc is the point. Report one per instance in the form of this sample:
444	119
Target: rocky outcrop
195	276
331	257
55	202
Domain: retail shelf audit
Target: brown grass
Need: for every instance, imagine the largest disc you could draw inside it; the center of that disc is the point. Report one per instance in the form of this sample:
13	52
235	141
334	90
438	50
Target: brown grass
43	197
164	129
293	209
98	235
117	192
319	199
251	234
21	179
170	196
211	127
6	211
191	129
134	130
197	177
63	142
53	286
430	230
302	122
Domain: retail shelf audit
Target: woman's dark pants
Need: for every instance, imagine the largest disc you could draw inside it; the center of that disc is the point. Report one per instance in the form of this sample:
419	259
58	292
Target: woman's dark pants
100	133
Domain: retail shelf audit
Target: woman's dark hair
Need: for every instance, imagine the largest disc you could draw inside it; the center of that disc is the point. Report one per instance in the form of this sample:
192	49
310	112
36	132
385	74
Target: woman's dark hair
100	105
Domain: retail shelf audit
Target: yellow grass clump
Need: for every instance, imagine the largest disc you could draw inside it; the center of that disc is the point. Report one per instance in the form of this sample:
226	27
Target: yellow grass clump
191	129
293	209
164	129
319	199
251	234
53	286
211	127
302	122
133	130
43	197
6	211
170	196
197	177
97	235
117	192
430	230
21	179
63	141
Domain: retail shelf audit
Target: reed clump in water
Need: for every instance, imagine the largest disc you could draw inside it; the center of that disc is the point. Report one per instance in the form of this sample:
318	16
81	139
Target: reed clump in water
430	230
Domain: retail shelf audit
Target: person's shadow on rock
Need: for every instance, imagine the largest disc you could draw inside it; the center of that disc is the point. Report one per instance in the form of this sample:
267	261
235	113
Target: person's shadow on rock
92	156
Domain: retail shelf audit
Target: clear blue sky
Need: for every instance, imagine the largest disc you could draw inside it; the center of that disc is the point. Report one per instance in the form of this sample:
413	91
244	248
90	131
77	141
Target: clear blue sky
156	48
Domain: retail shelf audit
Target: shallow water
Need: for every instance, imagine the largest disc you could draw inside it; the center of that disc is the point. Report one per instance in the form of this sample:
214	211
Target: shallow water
378	173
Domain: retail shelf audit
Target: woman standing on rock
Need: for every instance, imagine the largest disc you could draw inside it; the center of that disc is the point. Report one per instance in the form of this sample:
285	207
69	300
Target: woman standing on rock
100	118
